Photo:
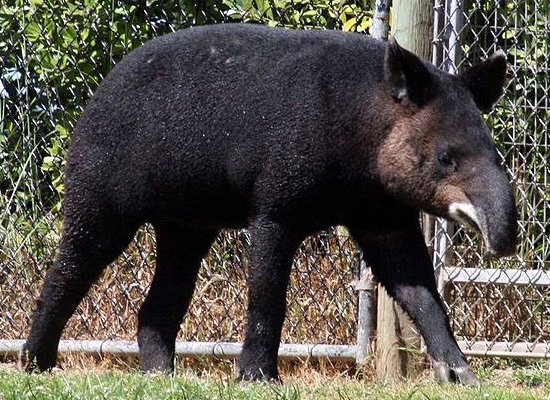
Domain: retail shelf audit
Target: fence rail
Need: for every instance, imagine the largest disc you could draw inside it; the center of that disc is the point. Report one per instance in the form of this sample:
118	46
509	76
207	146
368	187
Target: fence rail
215	350
535	277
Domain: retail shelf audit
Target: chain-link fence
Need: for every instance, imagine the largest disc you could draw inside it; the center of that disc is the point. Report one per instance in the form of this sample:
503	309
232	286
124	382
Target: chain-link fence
506	305
54	53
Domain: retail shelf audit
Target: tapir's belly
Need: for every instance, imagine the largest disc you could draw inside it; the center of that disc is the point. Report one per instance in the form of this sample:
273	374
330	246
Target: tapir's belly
196	197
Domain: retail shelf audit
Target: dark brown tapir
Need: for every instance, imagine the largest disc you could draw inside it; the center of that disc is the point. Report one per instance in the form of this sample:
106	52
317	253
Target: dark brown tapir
285	133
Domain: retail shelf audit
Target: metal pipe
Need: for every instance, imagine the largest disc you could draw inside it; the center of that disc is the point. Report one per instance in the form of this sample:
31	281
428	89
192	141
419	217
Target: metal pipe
451	53
289	351
505	349
366	306
380	21
366	311
505	354
436	40
189	349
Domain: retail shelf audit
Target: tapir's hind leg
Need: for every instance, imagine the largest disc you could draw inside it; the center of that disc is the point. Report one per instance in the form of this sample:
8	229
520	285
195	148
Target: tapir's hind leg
89	243
179	253
401	262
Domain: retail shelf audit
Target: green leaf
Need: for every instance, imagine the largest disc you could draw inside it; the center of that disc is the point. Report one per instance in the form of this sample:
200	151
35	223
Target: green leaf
349	25
70	35
33	31
62	131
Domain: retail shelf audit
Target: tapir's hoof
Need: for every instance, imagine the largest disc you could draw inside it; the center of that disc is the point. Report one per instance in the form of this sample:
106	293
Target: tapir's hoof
157	365
446	374
31	362
258	375
26	363
157	371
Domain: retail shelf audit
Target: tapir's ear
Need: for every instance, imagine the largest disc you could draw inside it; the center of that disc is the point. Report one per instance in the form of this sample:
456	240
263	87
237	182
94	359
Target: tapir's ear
406	74
486	80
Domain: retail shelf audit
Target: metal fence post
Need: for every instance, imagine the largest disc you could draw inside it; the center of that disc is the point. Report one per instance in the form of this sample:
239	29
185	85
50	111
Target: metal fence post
444	229
366	308
380	23
366	311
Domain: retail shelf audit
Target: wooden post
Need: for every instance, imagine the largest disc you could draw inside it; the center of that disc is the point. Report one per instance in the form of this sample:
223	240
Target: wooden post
412	26
390	362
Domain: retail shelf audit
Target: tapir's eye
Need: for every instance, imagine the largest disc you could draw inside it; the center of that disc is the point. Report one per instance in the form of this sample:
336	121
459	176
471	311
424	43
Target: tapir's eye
445	160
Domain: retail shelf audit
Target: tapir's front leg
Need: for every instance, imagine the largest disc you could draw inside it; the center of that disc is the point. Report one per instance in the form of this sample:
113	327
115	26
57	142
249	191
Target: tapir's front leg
400	261
271	255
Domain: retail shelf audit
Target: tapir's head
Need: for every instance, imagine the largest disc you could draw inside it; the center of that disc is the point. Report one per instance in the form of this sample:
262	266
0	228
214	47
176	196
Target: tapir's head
439	156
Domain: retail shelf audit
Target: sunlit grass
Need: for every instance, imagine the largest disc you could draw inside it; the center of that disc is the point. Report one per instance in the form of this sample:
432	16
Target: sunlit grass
526	382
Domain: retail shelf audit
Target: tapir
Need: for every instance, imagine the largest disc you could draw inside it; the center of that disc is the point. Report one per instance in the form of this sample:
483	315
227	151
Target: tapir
283	133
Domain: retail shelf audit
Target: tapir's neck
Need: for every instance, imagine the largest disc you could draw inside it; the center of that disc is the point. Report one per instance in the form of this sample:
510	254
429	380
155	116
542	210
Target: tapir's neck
367	124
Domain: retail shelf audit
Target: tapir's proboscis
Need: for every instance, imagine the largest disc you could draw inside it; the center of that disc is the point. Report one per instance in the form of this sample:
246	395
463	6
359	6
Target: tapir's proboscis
284	133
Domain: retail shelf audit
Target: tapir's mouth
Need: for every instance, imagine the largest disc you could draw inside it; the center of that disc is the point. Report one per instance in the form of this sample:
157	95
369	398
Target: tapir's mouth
466	214
492	212
471	217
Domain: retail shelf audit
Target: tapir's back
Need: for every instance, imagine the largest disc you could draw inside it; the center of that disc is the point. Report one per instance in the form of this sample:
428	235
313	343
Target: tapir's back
207	110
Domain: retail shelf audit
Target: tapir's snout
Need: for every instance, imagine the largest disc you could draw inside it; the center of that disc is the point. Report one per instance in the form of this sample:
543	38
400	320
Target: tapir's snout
491	211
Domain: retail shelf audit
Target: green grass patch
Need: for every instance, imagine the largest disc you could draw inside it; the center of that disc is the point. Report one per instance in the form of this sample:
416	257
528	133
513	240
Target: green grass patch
531	382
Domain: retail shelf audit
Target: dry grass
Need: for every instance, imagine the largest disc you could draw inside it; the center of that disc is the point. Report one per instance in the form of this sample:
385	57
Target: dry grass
305	371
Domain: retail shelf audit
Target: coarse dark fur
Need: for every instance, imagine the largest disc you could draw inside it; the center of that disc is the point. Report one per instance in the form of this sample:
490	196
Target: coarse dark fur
285	133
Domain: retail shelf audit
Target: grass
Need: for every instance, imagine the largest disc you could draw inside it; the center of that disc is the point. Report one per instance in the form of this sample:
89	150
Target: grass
530	381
